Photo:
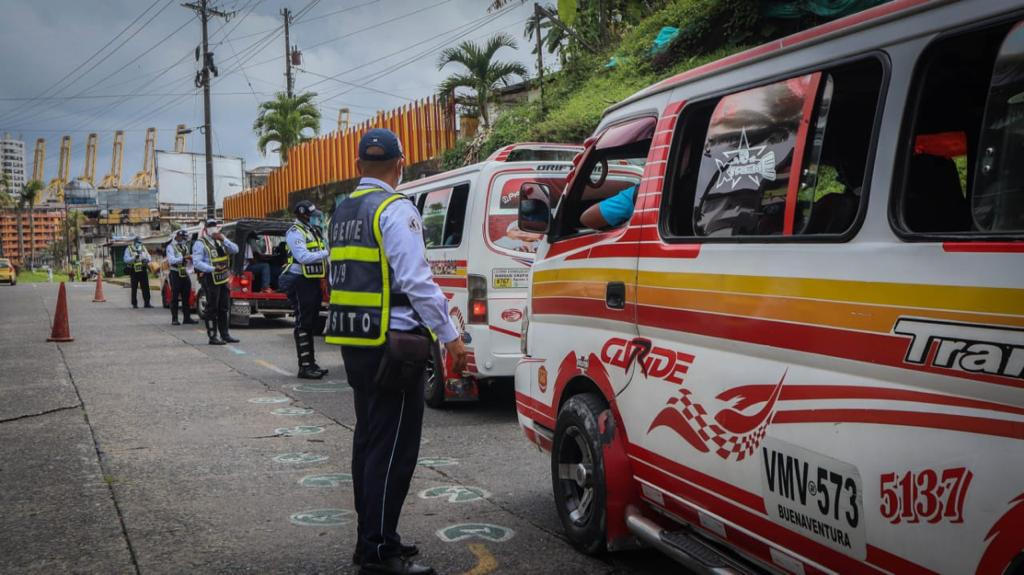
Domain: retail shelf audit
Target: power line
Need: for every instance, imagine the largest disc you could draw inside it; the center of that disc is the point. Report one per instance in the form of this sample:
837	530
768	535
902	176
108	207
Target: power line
361	29
105	58
86	61
470	28
365	87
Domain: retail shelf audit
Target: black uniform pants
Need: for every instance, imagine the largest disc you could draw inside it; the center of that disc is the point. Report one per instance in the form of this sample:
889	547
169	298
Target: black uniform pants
181	292
218	299
305	296
385	448
140	279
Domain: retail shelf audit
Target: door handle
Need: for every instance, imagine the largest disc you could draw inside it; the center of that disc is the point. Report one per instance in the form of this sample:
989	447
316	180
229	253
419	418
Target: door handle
615	295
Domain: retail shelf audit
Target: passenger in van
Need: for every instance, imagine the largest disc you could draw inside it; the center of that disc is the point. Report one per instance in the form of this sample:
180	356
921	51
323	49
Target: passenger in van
518	240
257	262
610	212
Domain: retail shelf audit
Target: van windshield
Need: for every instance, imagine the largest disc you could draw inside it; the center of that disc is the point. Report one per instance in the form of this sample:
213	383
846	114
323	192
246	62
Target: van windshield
529	155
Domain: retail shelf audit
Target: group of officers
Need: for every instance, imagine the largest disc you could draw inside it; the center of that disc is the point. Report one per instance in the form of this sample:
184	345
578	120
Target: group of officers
210	257
381	289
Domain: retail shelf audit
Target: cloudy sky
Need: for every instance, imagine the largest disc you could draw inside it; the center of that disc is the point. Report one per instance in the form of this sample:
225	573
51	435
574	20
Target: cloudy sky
383	54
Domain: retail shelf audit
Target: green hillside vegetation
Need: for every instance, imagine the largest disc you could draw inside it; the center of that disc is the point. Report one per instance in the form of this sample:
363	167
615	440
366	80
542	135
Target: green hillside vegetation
577	95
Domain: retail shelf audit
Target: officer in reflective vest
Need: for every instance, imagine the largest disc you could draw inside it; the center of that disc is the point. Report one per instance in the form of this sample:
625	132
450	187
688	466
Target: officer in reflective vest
136	260
179	257
380	281
306	266
211	256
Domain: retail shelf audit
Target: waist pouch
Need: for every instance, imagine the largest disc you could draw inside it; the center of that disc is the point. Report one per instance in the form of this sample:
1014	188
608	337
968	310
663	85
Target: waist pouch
405	360
285	281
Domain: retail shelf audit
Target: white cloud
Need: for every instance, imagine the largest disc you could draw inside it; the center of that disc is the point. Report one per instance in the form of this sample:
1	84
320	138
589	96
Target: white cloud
42	41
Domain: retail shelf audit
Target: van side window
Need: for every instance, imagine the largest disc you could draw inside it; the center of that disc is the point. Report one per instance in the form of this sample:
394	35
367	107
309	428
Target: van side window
615	163
789	158
444	214
964	163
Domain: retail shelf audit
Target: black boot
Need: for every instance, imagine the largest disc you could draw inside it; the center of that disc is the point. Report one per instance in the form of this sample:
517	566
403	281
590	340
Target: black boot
225	333
308	369
188	316
211	332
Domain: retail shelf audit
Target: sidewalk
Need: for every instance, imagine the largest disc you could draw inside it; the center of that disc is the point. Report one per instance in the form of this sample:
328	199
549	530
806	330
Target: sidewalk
129	450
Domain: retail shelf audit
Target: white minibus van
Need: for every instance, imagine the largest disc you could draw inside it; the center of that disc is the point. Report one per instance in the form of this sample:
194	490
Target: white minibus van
803	352
481	259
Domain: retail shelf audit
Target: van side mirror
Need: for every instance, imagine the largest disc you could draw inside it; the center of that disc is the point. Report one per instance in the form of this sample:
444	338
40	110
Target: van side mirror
534	207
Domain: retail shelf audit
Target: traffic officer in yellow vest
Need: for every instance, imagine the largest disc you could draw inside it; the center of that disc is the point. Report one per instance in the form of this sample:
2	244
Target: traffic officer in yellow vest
137	259
211	256
179	257
383	296
306	266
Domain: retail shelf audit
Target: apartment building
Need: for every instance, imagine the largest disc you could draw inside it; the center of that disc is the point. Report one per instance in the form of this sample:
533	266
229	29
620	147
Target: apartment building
12	163
48	227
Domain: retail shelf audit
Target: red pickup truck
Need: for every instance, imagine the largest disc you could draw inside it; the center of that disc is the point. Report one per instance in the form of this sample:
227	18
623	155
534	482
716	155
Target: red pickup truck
246	301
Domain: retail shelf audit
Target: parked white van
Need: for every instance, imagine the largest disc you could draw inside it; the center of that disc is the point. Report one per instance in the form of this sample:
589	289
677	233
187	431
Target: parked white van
481	259
804	350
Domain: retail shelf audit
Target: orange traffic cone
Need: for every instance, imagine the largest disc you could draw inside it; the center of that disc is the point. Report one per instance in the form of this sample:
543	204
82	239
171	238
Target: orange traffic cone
61	330
98	298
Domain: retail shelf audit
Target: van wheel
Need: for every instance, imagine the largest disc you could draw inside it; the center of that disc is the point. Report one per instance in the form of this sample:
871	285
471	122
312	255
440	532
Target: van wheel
201	303
433	389
577	472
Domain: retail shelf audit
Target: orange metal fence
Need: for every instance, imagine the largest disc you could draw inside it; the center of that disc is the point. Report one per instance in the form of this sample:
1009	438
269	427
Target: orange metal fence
426	128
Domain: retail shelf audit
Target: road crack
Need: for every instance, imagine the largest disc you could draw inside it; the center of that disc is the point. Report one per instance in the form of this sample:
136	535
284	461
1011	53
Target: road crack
101	461
38	414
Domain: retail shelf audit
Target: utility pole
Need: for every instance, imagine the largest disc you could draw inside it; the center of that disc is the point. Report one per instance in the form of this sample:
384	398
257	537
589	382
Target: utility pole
287	51
203	80
540	54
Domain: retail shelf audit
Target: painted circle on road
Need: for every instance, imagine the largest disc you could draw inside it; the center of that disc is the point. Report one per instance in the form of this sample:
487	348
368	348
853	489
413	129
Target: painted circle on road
320	387
299	430
300	458
455	493
436	461
484	531
269	400
292	411
321	517
325	480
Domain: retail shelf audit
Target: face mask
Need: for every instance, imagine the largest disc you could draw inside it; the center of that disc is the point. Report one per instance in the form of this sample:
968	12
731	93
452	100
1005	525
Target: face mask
316	219
401	175
213	231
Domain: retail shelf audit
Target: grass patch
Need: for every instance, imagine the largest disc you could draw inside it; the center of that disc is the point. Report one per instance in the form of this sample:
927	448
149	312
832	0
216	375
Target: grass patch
38	276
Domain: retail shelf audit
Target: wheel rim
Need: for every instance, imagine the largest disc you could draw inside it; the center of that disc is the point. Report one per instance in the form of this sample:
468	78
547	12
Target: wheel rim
201	305
576	476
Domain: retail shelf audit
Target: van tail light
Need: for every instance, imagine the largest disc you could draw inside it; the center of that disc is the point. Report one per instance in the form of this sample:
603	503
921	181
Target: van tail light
477	299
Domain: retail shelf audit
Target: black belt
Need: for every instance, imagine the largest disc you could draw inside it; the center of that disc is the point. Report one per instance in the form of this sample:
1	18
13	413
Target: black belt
399	300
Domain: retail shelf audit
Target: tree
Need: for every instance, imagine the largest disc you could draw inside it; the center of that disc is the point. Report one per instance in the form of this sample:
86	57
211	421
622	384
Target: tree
284	120
28	198
483	73
552	36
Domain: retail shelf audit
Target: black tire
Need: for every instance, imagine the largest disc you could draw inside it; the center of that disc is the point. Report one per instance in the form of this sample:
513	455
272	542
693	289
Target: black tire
577	473
201	303
433	389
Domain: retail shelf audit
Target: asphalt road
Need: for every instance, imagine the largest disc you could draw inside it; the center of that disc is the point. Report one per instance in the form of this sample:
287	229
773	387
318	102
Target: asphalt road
180	465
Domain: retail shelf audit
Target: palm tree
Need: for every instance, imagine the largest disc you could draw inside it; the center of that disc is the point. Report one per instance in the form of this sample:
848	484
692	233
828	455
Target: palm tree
28	198
283	120
483	73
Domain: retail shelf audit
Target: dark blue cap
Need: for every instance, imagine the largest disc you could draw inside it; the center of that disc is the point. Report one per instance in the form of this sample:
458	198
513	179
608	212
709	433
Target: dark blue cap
378	145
